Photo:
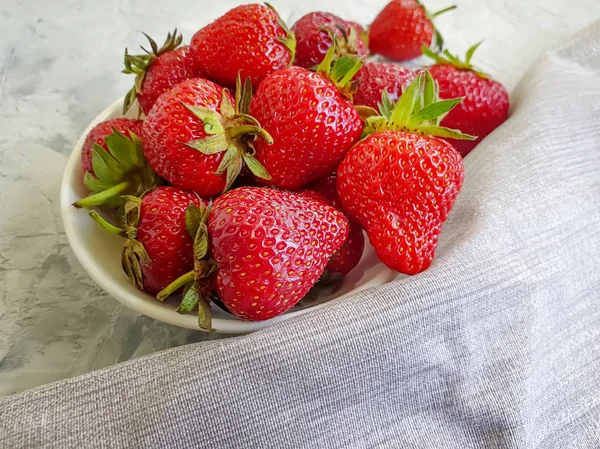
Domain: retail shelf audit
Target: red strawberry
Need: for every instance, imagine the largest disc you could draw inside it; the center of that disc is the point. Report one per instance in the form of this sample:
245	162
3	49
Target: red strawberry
313	38
194	137
400	184
158	70
101	131
159	249
250	39
271	247
114	164
485	105
312	124
402	28
374	77
348	256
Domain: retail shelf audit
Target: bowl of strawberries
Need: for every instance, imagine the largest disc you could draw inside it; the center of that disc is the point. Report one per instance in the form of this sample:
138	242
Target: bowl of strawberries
261	170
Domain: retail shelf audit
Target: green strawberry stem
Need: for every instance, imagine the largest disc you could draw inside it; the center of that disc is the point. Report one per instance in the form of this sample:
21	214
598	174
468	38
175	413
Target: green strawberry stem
439	40
106	225
101	198
239	131
445	10
178	283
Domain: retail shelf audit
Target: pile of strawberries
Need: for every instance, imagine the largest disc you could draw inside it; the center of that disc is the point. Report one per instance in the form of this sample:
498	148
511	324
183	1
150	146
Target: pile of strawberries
250	200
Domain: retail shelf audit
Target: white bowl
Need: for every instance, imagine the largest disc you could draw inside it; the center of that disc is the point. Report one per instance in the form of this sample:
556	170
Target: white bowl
99	253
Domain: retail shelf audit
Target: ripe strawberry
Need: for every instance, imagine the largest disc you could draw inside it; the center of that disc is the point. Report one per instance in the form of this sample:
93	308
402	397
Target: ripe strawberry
402	28
271	247
401	182
114	164
348	256
195	138
312	124
251	40
313	38
485	105
159	249
98	135
158	70
374	77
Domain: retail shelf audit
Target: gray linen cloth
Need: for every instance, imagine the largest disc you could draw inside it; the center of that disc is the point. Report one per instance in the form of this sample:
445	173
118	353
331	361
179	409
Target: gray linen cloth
496	346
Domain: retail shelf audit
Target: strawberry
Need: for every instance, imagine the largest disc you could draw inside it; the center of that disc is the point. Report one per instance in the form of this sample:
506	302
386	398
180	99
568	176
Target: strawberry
311	122
401	181
158	70
374	77
158	249
114	164
271	247
314	33
402	28
348	256
251	40
195	137
485	105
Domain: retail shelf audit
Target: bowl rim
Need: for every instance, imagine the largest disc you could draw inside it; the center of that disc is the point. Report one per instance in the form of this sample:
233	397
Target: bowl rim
152	309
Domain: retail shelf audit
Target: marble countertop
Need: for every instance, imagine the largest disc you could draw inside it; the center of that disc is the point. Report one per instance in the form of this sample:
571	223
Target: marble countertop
60	66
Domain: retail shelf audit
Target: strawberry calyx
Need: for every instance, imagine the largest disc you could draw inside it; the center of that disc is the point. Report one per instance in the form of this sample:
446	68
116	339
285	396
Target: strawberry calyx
448	58
231	130
122	170
346	44
340	71
197	283
289	41
418	110
139	64
133	253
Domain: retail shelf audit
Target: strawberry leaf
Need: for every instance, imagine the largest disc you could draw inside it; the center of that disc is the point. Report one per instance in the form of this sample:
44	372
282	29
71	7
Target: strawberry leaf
193	218
201	242
209	145
344	70
189	301
205	315
93	184
106	167
231	154
406	103
233	170
441	131
433	111
256	167
210	119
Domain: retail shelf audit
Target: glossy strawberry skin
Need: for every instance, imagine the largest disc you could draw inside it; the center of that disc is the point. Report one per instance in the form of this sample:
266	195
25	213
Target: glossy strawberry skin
312	124
374	77
101	131
312	42
401	187
348	256
165	72
400	30
161	229
271	247
245	39
484	108
170	125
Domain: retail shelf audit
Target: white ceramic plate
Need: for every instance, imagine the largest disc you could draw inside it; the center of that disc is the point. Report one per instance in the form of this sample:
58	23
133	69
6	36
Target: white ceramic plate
99	253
